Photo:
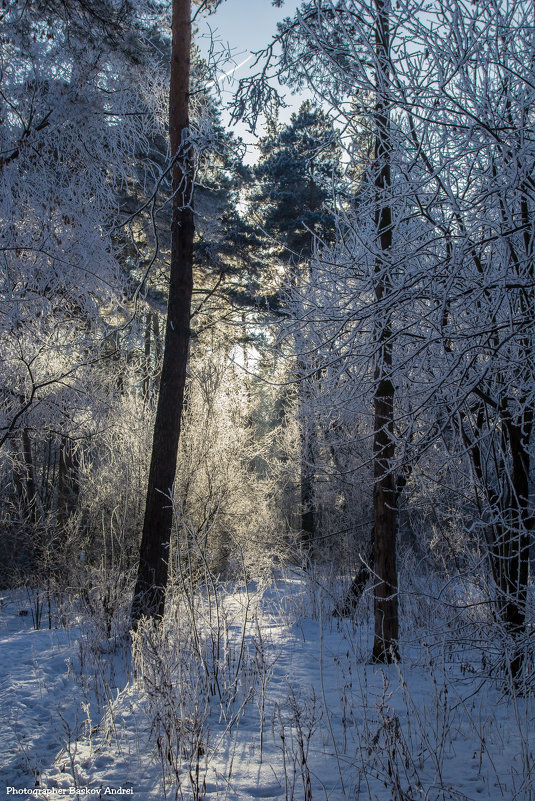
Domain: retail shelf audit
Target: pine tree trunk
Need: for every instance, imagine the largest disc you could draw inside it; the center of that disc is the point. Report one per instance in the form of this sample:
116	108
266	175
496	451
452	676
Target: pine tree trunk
385	647
149	594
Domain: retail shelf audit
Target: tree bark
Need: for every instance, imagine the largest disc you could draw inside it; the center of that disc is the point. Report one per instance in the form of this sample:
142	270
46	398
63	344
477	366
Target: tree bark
30	489
68	480
306	458
385	647
514	568
149	594
358	585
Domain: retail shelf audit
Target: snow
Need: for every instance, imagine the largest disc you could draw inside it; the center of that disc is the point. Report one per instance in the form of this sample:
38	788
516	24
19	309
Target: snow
296	711
38	691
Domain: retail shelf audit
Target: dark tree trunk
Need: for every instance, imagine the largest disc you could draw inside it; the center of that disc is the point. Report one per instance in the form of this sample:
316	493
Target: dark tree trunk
358	585
509	536
68	480
308	522
385	647
30	488
149	594
306	437
515	565
519	432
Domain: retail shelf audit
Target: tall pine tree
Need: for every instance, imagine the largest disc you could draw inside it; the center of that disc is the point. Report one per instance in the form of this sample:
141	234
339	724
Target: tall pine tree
296	175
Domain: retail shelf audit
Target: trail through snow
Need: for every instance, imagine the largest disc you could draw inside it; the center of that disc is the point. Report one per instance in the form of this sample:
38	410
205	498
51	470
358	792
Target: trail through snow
312	722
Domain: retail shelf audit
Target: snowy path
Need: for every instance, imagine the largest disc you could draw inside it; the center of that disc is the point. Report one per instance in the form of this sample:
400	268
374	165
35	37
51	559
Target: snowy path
333	727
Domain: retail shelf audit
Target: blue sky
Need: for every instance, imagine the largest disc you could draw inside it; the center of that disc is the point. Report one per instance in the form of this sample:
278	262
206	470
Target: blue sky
246	25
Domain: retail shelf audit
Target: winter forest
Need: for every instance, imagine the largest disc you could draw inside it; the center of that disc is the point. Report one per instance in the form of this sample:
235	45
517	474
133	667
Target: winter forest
267	400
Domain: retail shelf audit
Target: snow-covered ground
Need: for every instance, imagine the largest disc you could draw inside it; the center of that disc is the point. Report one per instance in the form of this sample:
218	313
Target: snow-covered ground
38	692
265	696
